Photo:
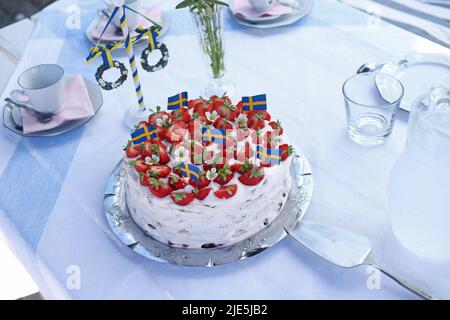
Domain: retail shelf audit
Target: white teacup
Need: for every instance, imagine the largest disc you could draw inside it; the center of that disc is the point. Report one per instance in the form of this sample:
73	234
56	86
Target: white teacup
261	5
42	88
132	18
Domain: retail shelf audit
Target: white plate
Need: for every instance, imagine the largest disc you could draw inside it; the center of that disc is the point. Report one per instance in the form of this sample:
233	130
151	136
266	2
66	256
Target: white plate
302	9
95	93
165	22
418	73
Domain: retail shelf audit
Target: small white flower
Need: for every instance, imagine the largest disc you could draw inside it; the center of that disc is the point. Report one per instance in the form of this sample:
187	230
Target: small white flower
154	159
211	174
212	116
181	154
163	121
241	121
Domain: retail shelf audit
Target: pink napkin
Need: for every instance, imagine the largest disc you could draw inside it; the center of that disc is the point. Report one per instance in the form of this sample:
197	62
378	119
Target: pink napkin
243	8
110	33
76	106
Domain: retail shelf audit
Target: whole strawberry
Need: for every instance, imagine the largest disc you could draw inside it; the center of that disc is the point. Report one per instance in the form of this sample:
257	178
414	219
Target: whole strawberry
286	151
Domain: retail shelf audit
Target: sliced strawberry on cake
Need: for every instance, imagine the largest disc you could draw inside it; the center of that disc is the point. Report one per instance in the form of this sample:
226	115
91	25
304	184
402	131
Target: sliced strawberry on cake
182	198
159	188
176	132
226	192
201	194
242	167
139	164
276	126
176	182
223	124
202	182
163	154
180	115
224	175
132	150
144	179
256	119
225	108
162	115
252	177
159	171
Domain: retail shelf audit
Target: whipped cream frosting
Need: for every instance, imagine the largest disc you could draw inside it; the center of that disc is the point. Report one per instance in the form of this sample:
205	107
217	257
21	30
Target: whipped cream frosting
210	222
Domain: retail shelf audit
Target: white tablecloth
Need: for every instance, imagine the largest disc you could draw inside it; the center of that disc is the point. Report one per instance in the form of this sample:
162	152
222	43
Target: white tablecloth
51	190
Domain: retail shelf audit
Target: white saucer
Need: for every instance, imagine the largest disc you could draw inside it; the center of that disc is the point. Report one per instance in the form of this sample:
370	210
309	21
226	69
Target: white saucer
301	9
95	94
165	22
418	73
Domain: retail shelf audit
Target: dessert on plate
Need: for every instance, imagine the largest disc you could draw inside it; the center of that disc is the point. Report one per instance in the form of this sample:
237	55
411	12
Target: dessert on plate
211	174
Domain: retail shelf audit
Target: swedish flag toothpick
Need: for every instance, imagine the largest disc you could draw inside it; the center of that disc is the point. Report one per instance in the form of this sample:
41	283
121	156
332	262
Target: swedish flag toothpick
268	155
190	171
252	103
213	135
143	134
177	101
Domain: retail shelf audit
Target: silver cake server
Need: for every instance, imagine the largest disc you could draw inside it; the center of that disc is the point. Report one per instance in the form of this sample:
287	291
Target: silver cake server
344	249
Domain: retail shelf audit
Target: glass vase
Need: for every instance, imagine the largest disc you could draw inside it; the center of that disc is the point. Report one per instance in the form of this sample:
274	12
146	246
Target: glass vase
209	23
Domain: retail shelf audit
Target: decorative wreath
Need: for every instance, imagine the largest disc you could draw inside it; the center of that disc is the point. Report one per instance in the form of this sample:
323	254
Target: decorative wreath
107	85
162	63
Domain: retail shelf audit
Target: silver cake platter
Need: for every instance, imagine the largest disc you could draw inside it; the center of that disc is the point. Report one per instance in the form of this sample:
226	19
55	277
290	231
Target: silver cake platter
137	240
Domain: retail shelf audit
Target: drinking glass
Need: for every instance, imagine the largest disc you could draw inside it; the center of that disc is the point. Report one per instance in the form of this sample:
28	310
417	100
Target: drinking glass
371	106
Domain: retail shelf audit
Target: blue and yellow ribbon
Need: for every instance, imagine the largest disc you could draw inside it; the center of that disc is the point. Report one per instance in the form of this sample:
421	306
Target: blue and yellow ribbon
151	33
131	58
106	55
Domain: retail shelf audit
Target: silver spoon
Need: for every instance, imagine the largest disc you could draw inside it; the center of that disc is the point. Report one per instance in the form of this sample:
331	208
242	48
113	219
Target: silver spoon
345	249
42	117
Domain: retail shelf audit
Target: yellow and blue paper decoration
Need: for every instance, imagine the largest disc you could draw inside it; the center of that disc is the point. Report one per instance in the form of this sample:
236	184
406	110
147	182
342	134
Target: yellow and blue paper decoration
268	155
258	102
107	58
151	33
213	135
190	171
143	134
177	101
131	58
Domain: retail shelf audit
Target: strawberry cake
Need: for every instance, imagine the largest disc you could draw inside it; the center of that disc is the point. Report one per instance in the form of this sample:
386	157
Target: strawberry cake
234	193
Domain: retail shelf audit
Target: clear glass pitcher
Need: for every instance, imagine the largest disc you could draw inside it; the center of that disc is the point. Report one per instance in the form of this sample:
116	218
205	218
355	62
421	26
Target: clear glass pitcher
419	186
